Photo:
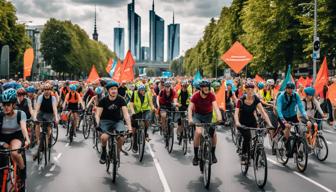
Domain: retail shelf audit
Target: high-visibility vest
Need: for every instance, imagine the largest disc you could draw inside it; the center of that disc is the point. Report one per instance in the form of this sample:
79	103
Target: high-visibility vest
140	107
179	96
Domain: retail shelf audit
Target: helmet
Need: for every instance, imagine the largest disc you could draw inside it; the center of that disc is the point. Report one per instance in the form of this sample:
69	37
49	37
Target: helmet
21	91
111	84
73	87
99	90
216	84
290	85
249	85
204	83
141	87
184	82
31	89
47	86
261	85
9	96
270	82
167	84
310	91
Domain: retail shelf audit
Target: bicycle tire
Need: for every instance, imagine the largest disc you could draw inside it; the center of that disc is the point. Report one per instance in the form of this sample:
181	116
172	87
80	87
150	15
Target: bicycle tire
54	135
114	162
281	152
141	144
234	135
320	144
170	138
185	142
301	149
45	151
108	157
207	165
260	160
86	127
97	142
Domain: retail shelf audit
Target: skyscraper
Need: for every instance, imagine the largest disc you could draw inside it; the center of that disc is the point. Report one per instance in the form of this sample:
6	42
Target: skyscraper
119	42
95	33
173	40
134	31
156	36
145	54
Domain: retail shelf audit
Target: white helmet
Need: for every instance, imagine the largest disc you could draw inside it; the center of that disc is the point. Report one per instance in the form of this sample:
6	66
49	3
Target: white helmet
270	81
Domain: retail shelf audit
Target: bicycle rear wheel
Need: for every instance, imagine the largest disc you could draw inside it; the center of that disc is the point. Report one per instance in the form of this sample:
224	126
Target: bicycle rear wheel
207	165
97	142
301	155
260	167
281	151
321	149
234	135
141	144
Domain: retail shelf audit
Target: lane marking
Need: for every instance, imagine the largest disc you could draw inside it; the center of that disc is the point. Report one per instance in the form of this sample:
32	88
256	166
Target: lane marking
48	175
159	170
302	176
330	143
67	145
329	131
52	168
58	156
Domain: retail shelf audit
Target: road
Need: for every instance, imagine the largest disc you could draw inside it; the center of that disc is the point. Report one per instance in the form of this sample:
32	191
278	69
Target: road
76	168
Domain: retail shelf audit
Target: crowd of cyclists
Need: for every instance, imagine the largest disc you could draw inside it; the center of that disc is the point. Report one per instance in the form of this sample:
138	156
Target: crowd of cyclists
117	106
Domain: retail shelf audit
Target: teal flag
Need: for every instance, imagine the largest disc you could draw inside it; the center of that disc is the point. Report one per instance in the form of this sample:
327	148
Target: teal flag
288	78
197	76
113	67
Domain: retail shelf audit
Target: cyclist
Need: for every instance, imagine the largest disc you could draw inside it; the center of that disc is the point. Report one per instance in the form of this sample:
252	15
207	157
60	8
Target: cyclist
311	106
122	89
200	109
96	98
111	112
265	95
13	131
286	107
24	104
141	105
72	100
31	95
183	99
245	115
230	97
166	100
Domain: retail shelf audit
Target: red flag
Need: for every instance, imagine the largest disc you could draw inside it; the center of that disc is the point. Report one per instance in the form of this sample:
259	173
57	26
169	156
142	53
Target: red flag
117	72
127	73
301	81
258	79
332	94
109	66
276	90
28	60
93	75
220	96
321	78
308	82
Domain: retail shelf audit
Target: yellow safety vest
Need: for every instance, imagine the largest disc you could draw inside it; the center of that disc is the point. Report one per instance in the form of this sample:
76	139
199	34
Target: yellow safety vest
140	107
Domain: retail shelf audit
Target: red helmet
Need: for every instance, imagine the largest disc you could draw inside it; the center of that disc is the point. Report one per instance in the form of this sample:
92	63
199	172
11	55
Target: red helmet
21	91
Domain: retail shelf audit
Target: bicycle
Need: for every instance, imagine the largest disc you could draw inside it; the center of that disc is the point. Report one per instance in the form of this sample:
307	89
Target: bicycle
9	171
113	156
205	151
256	153
96	137
31	132
184	137
44	149
298	147
169	133
70	129
318	143
87	124
229	122
140	138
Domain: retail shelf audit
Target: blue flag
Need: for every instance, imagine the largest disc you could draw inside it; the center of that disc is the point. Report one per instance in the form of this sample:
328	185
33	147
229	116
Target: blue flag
113	67
287	79
197	76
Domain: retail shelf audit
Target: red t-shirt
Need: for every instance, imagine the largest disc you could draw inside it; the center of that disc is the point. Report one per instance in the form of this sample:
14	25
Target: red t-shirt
165	100
203	106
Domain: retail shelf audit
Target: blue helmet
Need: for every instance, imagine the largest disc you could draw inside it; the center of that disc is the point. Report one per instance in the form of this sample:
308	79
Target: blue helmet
73	87
261	85
31	89
9	96
310	91
290	85
142	88
111	84
99	90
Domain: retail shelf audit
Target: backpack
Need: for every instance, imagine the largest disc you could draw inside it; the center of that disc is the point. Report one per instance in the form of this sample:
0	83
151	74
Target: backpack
18	118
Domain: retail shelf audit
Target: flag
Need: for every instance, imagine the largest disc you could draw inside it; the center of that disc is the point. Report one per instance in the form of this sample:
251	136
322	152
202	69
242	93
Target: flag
332	94
93	75
288	78
301	81
178	86
259	79
28	60
220	96
321	78
117	71
127	73
308	82
111	72
109	65
197	76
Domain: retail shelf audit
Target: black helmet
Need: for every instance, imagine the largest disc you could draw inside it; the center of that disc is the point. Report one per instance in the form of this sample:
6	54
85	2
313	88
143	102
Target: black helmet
204	83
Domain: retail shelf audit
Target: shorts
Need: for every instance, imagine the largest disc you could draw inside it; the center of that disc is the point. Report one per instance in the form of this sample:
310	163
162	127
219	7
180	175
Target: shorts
110	126
293	119
45	116
199	118
73	106
146	115
7	138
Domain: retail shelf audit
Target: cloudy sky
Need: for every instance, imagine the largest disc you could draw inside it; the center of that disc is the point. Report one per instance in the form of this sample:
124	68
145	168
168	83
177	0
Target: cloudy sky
193	15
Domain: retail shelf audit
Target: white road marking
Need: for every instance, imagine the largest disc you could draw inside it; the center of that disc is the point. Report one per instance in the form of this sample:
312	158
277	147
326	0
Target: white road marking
52	168
57	157
159	170
329	143
67	145
302	176
329	131
48	174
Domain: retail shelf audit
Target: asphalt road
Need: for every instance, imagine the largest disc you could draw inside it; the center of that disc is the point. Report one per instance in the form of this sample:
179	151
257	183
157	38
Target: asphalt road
76	168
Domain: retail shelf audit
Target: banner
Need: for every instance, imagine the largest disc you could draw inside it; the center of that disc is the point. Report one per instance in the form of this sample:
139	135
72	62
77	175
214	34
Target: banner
93	76
127	73
109	66
301	81
332	94
288	78
28	60
117	72
4	62
321	78
198	76
237	57
220	97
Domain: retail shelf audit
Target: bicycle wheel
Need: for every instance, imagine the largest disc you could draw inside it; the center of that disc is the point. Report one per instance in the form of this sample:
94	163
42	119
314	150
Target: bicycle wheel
114	162
127	146
234	135
184	142
301	156
86	127
141	144
281	152
49	147
54	135
244	167
170	138
97	142
260	167
207	165
321	149
45	151
108	157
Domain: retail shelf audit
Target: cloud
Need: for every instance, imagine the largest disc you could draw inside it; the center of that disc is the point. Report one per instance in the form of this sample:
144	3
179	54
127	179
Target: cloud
111	3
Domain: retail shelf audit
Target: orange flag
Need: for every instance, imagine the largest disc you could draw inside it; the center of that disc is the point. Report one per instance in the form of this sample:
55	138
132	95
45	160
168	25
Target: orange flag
93	75
127	73
28	60
220	97
301	81
276	90
237	57
117	72
109	66
308	82
178	86
321	78
259	79
332	94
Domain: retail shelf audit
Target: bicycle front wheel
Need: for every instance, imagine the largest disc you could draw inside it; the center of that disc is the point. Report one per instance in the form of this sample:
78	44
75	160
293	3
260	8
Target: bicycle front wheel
114	162
170	138
141	144
54	135
301	155
281	152
86	127
260	167
321	149
207	165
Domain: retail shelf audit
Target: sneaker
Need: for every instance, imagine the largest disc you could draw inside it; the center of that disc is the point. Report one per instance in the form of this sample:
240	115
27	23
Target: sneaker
103	158
195	161
214	158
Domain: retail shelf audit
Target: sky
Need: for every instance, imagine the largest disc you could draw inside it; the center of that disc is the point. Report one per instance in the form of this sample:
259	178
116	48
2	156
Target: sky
192	15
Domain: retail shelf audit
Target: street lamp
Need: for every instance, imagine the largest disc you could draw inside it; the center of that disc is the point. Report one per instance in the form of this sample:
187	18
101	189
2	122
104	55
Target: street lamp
316	42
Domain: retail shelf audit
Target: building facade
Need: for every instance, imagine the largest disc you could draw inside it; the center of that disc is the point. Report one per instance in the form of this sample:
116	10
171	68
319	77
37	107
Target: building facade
173	50
119	42
156	36
134	31
145	53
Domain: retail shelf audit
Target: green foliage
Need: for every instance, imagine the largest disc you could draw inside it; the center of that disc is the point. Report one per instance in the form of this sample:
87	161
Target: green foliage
13	35
68	49
176	66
